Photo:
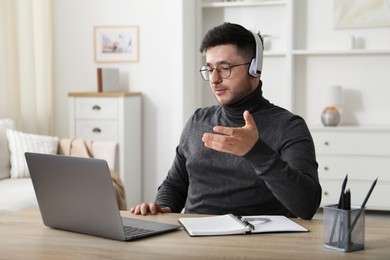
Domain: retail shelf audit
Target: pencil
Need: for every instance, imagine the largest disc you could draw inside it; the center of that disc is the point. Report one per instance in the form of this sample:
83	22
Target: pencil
369	193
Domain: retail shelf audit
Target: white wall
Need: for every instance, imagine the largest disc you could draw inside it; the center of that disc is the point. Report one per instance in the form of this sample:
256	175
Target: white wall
161	74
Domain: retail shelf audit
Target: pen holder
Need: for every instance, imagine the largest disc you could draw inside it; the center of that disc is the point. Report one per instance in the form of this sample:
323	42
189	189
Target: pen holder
344	229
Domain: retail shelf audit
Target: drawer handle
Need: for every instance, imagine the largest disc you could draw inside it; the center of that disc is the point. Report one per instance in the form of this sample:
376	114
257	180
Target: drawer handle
326	193
96	130
326	168
96	107
326	143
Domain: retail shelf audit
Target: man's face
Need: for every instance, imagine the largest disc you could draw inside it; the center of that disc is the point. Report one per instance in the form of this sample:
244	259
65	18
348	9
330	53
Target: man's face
239	84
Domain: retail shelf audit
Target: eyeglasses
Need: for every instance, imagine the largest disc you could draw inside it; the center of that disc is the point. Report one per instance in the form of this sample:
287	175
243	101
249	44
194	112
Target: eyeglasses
223	69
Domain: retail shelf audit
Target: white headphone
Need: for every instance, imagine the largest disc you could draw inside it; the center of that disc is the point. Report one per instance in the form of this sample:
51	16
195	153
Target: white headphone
257	62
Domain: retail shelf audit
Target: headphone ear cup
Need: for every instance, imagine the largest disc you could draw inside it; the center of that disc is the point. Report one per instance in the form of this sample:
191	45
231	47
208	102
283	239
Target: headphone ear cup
253	68
257	61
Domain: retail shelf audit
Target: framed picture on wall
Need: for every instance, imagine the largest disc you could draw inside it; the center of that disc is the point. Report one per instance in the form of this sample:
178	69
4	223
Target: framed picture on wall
361	13
116	43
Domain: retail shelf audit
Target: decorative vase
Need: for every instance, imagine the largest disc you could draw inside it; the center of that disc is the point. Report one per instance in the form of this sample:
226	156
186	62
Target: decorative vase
330	116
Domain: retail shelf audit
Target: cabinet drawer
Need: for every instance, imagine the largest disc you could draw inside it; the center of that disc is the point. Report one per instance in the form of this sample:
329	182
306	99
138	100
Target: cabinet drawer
96	108
102	130
352	143
331	190
357	167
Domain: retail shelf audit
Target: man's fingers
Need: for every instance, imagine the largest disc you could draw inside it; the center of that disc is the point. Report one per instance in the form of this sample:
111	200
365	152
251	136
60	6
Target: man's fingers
235	140
152	208
207	137
144	209
136	210
249	122
223	130
165	210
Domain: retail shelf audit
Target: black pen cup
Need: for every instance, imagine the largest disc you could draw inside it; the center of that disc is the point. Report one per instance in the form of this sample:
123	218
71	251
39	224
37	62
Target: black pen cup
344	229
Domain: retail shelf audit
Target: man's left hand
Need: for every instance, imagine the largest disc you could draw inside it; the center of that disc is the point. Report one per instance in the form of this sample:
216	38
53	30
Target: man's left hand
234	140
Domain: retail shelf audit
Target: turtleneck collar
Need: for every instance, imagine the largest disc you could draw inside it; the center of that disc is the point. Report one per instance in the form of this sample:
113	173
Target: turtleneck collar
252	103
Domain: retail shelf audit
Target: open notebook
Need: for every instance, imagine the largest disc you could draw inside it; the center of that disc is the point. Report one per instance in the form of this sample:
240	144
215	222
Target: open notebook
230	225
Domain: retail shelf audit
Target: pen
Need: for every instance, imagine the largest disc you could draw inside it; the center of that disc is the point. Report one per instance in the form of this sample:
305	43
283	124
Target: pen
362	207
342	191
339	206
347	200
246	223
263	220
346	219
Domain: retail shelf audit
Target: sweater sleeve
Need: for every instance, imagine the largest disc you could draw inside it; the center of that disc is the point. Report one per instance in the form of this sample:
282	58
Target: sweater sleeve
174	189
290	169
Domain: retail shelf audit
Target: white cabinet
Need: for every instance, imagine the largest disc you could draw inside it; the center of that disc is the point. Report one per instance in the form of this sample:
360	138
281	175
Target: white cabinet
112	117
361	152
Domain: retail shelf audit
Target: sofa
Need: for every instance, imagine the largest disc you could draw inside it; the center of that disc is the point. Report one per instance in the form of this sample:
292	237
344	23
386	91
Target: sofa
16	189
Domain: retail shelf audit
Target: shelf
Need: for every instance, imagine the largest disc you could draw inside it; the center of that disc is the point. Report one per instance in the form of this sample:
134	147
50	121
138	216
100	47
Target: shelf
340	52
103	94
244	3
351	128
274	54
266	54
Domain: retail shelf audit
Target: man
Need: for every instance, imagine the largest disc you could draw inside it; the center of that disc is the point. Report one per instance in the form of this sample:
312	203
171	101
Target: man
244	156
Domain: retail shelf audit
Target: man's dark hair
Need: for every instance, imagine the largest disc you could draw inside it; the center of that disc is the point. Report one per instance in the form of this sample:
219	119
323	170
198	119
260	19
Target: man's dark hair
230	33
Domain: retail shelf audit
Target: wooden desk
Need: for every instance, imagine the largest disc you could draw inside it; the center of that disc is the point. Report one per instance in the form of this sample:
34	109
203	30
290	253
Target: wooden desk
23	236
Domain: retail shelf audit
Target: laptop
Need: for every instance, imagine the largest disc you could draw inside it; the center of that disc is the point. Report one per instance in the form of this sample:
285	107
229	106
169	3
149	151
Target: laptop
76	194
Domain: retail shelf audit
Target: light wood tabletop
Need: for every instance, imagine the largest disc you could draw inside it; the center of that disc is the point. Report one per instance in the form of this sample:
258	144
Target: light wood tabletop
23	236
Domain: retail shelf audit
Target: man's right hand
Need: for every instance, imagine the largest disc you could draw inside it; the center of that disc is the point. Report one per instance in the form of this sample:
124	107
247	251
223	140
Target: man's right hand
152	208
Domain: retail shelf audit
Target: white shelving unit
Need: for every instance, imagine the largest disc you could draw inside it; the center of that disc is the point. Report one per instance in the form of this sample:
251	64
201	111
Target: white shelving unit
307	54
323	56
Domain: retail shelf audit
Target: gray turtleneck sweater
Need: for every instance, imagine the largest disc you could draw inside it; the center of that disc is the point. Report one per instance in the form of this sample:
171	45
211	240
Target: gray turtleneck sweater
278	176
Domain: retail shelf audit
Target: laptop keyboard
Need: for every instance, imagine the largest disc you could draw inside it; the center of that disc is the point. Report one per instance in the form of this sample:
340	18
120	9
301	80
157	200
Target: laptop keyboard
134	232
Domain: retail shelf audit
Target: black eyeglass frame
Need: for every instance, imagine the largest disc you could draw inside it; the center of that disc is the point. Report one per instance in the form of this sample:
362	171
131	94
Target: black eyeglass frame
206	71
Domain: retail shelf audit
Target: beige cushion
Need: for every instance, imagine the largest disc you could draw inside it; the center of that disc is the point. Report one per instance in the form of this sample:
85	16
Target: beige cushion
19	143
4	152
